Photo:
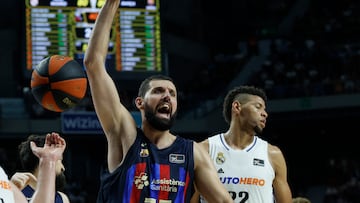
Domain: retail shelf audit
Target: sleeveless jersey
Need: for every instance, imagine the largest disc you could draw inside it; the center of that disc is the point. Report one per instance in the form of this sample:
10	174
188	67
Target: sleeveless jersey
150	175
6	194
29	192
247	174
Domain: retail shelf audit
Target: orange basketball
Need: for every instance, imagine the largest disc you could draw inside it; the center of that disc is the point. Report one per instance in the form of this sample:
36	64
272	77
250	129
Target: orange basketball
58	83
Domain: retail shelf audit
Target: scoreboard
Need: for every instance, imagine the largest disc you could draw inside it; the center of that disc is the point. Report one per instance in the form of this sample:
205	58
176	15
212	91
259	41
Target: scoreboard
64	26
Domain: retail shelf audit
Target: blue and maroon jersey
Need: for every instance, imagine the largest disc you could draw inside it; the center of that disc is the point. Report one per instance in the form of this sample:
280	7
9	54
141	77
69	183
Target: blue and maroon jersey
151	175
29	192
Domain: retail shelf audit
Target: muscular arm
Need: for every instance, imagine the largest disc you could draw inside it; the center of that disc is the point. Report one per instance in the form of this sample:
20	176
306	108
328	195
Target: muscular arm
196	196
46	181
206	179
115	119
281	187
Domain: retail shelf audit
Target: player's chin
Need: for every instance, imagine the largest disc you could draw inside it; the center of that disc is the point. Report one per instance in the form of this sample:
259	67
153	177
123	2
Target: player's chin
262	125
258	129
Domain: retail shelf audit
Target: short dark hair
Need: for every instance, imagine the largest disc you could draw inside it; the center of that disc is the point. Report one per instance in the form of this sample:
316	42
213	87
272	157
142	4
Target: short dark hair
235	93
29	162
144	87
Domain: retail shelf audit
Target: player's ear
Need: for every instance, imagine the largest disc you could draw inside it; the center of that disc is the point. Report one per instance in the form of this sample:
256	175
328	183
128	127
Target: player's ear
138	102
236	105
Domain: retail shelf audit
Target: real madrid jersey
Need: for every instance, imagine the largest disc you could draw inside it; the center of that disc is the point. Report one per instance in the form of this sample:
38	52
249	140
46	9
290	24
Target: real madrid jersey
247	174
6	194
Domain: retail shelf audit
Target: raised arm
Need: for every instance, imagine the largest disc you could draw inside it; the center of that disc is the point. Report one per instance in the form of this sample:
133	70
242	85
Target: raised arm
206	179
48	156
115	119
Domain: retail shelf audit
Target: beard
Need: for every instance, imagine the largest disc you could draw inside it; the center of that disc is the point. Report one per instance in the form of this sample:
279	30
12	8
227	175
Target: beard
158	123
60	182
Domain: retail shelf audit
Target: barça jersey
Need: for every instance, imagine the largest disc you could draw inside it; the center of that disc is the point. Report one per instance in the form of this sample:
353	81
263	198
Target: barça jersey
247	174
150	175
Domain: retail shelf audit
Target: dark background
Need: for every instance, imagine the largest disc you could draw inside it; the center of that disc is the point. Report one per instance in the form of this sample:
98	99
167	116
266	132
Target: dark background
209	46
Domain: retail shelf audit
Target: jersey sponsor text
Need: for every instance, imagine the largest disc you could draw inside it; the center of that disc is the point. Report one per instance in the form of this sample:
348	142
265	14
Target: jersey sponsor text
242	181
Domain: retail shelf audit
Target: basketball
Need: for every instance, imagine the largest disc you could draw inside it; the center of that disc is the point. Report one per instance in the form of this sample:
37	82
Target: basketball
58	83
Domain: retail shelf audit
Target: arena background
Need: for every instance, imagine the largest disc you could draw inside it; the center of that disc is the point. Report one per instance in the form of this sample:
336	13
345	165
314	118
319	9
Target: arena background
305	54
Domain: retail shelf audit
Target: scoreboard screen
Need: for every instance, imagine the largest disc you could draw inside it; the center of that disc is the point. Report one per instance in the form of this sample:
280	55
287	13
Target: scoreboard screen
64	26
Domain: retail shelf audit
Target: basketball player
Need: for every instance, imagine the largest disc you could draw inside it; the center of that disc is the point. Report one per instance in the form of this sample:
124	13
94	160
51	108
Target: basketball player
147	164
27	181
251	169
48	155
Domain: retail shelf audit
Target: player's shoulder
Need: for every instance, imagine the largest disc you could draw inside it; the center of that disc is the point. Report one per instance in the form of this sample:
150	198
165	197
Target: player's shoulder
206	141
274	152
201	144
215	137
204	144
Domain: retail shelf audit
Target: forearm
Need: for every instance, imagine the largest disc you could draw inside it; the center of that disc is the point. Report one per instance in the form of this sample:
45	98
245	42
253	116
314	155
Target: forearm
46	181
99	40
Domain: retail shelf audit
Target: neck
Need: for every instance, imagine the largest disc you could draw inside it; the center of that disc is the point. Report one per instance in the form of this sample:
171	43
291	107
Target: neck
161	139
238	139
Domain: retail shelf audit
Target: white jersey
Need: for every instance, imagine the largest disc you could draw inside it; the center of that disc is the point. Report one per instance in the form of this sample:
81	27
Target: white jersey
247	174
6	194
